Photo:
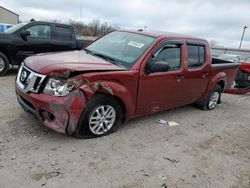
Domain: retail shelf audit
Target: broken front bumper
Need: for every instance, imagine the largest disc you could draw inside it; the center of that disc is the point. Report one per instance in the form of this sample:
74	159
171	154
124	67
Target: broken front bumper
242	78
58	113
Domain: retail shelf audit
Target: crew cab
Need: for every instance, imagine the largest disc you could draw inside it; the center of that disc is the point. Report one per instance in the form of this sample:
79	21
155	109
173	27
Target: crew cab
26	39
122	75
242	78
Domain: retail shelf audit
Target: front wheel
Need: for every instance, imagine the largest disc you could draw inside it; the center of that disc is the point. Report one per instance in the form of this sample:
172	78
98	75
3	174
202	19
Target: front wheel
4	64
212	99
101	116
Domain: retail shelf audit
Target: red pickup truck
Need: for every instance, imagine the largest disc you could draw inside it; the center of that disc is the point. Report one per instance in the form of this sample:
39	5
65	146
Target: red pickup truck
122	75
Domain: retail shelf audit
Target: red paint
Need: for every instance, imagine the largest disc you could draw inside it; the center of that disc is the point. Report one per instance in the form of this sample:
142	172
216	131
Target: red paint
237	91
141	93
72	60
245	66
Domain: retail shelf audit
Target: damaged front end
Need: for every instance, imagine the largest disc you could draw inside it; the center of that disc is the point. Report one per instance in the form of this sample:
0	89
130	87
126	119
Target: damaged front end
57	99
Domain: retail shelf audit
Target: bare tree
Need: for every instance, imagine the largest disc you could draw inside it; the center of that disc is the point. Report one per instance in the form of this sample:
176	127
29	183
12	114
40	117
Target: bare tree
212	43
95	28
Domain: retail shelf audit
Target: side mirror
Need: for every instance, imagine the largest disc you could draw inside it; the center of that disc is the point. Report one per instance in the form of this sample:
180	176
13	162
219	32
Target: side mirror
158	66
24	34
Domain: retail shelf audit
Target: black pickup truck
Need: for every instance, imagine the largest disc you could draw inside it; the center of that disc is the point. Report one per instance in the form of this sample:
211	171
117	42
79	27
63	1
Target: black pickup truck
26	39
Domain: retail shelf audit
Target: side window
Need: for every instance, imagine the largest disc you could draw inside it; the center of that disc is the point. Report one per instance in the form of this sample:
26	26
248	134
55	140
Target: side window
170	54
63	33
196	55
39	31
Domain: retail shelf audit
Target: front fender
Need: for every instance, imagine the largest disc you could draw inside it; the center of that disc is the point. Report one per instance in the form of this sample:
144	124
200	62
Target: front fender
111	88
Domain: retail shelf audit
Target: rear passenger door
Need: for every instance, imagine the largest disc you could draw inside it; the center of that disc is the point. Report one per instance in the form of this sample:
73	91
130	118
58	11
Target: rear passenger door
197	73
63	38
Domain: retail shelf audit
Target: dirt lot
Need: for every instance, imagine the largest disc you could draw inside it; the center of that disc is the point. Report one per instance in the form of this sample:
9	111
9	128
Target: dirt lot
207	149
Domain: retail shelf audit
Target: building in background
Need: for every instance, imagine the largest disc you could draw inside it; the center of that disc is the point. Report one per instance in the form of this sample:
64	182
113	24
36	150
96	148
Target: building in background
8	17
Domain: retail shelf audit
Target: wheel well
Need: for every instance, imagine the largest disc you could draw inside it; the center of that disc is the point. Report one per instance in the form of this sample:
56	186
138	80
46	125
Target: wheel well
4	51
221	84
118	100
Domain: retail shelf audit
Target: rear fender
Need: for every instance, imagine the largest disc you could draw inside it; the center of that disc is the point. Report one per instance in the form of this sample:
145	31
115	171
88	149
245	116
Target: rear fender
220	77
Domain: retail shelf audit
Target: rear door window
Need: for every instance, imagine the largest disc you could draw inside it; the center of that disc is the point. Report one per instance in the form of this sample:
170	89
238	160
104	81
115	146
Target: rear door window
196	56
63	33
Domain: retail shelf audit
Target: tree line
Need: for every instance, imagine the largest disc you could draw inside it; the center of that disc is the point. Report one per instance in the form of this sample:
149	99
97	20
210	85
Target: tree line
95	28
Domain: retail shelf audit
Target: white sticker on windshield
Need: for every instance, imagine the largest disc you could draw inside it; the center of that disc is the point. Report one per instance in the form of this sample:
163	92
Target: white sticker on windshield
135	44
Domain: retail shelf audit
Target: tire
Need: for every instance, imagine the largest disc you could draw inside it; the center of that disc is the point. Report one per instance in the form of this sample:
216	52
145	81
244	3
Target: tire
213	98
91	117
4	64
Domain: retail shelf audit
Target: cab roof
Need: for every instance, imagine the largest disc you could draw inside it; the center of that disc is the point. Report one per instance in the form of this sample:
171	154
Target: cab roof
157	34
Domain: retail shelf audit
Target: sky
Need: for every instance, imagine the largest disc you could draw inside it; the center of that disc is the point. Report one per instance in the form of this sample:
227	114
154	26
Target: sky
219	20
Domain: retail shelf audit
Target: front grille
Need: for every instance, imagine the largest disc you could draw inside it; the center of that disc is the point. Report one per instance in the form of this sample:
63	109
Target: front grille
25	73
28	80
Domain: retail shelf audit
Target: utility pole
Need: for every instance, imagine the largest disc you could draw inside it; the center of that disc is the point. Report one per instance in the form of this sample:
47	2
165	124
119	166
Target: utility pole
80	13
242	36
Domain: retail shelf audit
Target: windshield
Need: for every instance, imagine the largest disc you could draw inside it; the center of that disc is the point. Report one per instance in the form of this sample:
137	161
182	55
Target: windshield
123	47
13	29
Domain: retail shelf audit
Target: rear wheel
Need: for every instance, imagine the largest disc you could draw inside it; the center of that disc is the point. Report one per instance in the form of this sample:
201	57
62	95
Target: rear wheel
101	116
4	64
212	99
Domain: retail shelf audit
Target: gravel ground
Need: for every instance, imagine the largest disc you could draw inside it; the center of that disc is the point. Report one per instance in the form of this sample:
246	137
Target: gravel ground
206	149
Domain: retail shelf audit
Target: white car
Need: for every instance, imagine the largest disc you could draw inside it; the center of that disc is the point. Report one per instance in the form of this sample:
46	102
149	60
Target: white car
231	57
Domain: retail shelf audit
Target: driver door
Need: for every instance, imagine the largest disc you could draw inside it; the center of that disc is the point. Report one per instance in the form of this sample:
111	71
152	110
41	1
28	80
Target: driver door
37	42
162	90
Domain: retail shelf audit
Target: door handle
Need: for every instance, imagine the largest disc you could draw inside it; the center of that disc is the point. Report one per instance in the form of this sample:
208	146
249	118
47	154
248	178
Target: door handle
179	78
204	75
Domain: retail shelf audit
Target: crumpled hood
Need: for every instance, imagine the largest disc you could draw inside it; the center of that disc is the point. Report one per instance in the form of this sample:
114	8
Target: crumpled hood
47	63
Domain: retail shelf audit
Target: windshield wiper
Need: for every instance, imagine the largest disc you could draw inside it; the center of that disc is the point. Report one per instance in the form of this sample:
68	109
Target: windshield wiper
107	58
88	51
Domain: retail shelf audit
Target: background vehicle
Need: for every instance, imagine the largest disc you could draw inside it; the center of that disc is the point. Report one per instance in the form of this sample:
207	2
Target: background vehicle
4	26
122	75
231	57
242	78
25	39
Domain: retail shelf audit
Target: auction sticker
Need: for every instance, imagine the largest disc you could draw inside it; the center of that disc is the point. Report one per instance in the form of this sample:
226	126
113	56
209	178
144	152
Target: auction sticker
135	44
